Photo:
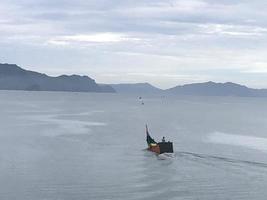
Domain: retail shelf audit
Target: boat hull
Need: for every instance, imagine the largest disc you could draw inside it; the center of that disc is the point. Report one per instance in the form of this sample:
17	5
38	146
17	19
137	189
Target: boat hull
155	149
161	147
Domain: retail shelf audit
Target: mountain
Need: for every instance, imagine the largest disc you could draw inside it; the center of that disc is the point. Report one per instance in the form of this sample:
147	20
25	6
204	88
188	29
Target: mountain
199	89
13	77
106	88
217	89
136	88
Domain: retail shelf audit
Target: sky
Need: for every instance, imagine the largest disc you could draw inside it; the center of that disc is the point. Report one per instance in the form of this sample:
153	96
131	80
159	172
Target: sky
165	43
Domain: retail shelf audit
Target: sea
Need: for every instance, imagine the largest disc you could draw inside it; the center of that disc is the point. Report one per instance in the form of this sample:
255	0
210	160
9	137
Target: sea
92	146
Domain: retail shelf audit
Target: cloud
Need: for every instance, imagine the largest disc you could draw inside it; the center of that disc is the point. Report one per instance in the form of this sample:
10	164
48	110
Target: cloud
170	17
91	38
233	30
172	36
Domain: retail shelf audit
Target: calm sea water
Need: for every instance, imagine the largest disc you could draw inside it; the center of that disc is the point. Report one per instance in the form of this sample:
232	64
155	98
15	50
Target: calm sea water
66	146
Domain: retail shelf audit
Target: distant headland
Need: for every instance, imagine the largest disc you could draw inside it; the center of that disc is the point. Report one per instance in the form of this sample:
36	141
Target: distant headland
13	77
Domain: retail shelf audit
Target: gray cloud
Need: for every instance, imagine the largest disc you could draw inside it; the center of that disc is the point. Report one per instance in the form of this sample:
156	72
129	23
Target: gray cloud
177	37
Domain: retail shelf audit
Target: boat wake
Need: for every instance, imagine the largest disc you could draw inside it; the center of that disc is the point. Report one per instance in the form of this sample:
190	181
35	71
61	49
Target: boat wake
212	159
165	156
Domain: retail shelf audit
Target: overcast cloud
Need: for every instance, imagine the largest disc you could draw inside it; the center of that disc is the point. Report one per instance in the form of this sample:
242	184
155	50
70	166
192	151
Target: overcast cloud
165	42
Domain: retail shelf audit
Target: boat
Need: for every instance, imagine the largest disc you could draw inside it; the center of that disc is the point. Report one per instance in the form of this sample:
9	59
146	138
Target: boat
158	147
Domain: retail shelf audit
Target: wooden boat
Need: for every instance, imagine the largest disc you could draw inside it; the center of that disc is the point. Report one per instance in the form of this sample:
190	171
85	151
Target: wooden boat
158	147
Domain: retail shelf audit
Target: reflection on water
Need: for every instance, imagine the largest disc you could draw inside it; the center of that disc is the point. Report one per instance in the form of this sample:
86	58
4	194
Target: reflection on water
258	143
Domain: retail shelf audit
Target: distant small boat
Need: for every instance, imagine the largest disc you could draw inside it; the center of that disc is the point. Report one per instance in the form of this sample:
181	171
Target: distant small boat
158	147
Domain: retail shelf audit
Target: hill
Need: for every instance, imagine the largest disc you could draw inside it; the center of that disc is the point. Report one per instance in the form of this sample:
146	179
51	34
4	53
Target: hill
13	77
136	88
216	89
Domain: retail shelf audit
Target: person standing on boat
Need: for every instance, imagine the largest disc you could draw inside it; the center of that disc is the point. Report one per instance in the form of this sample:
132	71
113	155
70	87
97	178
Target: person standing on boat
163	139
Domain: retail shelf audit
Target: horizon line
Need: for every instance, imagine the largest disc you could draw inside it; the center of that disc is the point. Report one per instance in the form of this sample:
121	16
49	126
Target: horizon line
132	83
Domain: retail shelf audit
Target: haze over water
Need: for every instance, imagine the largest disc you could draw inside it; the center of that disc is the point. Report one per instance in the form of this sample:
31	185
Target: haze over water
65	146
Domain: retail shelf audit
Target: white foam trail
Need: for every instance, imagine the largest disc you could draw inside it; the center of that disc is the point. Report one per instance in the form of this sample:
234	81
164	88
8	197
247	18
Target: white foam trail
165	156
257	143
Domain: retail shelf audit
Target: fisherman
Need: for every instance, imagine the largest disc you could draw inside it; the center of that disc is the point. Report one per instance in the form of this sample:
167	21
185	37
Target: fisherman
163	139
